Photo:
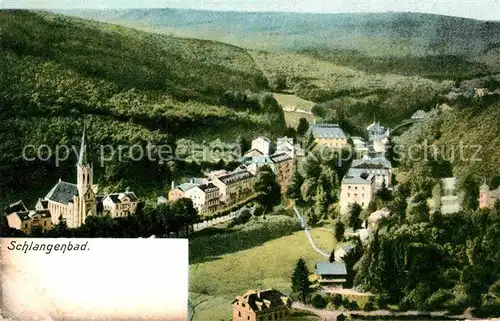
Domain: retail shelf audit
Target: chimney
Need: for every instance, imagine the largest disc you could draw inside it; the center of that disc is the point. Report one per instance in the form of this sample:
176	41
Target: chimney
173	185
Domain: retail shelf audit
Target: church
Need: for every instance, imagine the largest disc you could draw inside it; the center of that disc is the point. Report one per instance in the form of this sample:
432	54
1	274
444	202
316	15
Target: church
75	202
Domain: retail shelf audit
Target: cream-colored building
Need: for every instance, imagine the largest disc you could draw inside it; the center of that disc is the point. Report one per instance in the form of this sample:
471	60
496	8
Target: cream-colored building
235	186
356	188
262	144
330	135
28	221
120	204
205	197
280	163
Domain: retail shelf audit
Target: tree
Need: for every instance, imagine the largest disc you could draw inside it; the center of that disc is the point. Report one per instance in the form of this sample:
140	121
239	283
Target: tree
303	126
321	202
267	188
339	230
300	280
353	218
384	194
471	191
293	189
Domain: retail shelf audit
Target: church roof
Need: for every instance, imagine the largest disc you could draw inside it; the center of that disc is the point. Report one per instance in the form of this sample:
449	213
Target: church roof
62	192
82	157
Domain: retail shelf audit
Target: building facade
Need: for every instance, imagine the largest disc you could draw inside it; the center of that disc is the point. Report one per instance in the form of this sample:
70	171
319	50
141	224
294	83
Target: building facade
235	186
261	306
330	135
356	188
205	198
262	144
120	204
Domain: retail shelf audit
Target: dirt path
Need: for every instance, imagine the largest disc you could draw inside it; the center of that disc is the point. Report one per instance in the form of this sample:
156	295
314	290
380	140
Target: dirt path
308	234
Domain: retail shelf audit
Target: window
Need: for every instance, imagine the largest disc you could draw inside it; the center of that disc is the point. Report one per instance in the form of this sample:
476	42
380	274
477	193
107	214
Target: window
26	225
239	313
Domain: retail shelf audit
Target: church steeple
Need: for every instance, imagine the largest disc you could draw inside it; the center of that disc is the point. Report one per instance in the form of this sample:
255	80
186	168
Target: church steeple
84	169
82	157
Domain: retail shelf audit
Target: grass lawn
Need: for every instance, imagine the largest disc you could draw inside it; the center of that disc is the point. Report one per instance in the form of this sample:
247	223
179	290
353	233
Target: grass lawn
292	118
216	281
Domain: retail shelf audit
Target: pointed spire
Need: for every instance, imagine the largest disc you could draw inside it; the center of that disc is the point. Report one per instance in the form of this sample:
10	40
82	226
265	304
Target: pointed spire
82	158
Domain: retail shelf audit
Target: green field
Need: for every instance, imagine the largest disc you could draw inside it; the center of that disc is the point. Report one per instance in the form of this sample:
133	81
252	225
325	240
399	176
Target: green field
218	279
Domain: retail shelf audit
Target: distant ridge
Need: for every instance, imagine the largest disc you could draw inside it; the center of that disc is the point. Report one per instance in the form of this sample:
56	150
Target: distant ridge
376	34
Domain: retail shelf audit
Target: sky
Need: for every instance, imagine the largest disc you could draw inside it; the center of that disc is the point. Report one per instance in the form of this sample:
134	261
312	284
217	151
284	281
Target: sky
476	9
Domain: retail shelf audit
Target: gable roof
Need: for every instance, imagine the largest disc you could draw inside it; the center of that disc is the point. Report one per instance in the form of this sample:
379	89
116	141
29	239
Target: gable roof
327	131
62	192
186	186
43	213
118	197
264	300
334	268
16	207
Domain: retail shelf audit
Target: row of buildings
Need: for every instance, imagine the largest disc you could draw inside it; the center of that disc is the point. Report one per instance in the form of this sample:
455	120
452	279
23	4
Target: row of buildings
73	202
221	189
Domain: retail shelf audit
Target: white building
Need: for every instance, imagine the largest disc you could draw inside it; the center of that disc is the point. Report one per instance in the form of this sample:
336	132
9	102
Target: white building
285	145
450	202
357	187
262	144
205	197
376	131
120	204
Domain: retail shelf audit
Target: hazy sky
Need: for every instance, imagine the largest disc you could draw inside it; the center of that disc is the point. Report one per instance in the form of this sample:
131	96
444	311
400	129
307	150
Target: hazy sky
477	9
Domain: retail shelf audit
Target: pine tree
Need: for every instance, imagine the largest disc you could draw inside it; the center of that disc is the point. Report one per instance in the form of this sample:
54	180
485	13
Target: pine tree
339	230
300	279
268	188
303	126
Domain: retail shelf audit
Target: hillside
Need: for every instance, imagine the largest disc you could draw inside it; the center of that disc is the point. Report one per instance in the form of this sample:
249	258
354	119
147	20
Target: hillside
133	87
356	38
475	128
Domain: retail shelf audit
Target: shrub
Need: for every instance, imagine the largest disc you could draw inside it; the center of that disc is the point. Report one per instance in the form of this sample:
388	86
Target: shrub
319	300
337	300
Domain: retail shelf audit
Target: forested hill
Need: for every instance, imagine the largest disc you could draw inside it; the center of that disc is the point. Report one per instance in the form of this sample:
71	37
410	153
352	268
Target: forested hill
376	34
132	86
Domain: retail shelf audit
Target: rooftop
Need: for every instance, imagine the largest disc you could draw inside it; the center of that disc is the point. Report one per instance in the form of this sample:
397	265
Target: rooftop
16	207
62	192
208	186
368	162
118	197
235	177
355	176
327	131
334	268
264	300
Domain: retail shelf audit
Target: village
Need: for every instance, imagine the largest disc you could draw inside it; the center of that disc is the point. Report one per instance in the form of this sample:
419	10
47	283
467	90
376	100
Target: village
369	175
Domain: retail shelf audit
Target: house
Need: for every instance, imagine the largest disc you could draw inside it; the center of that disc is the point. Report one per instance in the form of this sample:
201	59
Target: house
262	144
450	202
266	305
356	187
205	197
120	204
334	273
380	167
285	145
342	251
180	191
418	115
487	197
375	217
360	147
29	221
377	132
330	135
235	186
